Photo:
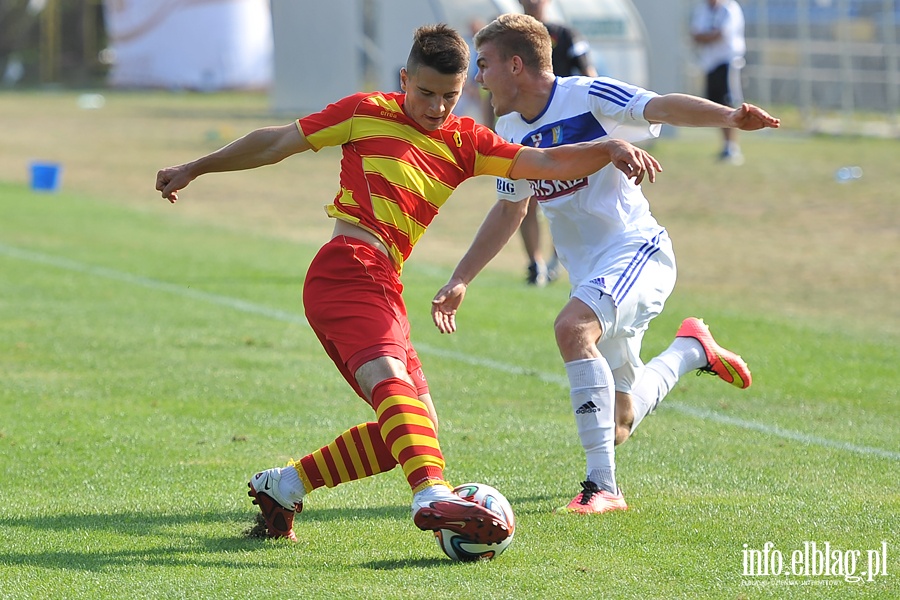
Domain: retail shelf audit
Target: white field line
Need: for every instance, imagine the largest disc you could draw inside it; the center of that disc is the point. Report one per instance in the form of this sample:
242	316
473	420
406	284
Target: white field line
279	315
154	284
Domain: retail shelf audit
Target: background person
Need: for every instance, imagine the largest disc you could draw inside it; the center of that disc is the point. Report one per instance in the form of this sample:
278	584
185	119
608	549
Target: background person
717	29
475	102
571	55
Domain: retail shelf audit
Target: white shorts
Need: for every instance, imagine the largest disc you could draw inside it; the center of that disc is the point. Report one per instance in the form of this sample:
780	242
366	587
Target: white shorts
626	296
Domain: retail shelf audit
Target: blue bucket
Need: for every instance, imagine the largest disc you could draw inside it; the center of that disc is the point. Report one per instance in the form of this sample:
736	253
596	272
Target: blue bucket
45	176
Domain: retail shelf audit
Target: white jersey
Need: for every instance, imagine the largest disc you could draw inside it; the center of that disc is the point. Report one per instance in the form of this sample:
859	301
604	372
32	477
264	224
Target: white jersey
726	17
599	221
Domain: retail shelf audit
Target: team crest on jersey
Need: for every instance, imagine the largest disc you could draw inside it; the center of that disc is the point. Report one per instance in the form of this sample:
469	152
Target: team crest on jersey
557	135
457	138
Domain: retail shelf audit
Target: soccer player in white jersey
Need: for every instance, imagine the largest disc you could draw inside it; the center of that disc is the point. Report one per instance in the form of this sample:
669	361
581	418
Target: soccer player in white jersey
620	260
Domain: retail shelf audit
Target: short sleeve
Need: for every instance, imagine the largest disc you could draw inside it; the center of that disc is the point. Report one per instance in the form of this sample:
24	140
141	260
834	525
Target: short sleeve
619	107
495	156
513	190
332	125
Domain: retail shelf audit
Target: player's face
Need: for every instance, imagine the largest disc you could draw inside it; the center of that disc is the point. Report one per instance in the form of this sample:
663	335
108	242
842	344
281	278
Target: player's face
430	95
496	76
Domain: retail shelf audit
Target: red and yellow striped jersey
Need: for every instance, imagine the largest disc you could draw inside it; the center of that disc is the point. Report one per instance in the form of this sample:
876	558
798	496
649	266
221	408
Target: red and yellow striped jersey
395	176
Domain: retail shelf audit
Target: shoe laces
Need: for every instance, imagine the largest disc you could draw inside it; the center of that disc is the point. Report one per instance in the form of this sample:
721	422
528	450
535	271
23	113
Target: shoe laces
588	489
707	370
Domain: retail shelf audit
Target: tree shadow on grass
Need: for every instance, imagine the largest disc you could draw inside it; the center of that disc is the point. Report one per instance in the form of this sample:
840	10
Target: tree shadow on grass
104	541
100	541
97	542
415	563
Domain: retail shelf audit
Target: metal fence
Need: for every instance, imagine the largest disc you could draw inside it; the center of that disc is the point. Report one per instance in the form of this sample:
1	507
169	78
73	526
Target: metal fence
837	60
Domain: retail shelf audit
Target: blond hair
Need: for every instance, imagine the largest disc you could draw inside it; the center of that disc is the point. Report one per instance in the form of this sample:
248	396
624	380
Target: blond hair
519	35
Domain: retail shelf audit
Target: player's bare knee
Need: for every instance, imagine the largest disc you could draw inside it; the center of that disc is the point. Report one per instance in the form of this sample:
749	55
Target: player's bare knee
571	336
379	369
577	331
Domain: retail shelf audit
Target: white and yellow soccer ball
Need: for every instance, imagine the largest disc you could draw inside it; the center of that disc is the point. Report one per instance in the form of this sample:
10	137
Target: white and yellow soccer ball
457	546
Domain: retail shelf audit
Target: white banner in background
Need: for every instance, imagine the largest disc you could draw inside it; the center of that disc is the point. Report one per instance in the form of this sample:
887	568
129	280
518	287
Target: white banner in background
204	45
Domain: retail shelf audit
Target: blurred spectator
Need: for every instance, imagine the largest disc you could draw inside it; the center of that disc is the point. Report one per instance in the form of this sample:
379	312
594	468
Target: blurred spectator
717	29
571	56
475	102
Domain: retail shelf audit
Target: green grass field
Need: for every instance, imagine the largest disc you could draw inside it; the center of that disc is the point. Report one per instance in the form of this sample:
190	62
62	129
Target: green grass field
153	357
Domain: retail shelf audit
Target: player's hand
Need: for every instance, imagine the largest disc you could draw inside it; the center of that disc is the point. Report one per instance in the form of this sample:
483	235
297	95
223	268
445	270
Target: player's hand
172	179
635	162
445	305
749	117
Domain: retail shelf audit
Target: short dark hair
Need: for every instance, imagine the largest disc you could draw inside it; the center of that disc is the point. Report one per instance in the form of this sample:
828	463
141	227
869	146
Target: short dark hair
519	35
439	47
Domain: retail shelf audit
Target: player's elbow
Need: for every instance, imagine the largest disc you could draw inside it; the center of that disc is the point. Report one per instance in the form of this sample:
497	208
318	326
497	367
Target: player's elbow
286	141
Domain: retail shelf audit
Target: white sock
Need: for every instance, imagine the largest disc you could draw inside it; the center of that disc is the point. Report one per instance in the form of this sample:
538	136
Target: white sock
290	486
659	376
434	492
593	401
652	385
684	354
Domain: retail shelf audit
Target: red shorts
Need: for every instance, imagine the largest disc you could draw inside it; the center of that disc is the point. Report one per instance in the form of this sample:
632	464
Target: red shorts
353	302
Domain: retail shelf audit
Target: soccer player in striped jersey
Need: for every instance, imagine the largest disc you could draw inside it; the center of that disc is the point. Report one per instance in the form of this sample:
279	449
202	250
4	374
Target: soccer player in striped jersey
403	155
620	260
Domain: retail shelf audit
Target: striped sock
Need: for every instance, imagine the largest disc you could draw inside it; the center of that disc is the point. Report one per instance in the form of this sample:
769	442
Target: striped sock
358	452
408	431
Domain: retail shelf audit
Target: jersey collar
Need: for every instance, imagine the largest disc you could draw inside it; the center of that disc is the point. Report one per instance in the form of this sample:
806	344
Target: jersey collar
549	101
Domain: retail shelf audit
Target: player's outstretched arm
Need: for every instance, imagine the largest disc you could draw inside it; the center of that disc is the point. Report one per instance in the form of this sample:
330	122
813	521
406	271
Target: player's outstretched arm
574	161
500	224
684	110
264	146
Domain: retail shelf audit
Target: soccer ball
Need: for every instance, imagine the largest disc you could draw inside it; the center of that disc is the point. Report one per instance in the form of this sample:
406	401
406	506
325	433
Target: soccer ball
457	546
